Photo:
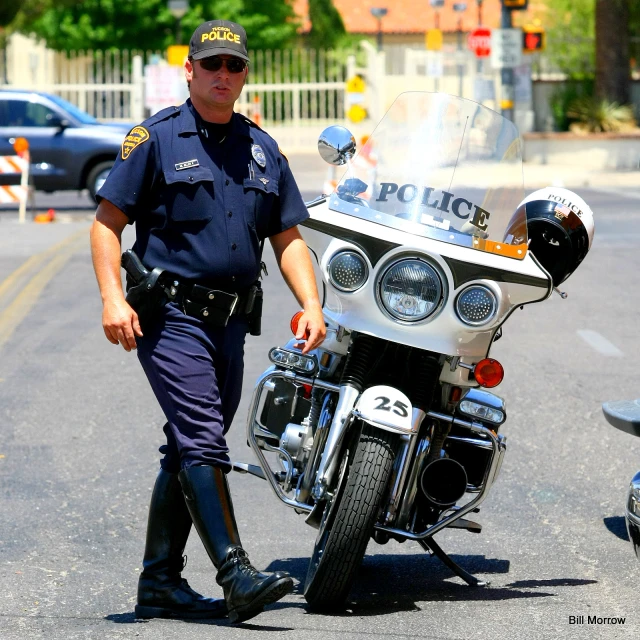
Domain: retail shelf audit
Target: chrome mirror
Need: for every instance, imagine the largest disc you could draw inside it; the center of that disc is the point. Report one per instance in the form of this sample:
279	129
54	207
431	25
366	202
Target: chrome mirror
336	145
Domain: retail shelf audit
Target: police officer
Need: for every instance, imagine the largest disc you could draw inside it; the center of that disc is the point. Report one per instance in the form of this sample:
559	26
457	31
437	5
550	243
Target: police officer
204	187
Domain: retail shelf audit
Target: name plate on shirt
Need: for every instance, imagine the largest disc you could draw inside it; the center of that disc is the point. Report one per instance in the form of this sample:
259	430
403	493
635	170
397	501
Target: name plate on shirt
187	164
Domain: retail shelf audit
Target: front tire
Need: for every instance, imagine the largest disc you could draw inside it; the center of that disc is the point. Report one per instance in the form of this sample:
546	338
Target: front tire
97	176
342	541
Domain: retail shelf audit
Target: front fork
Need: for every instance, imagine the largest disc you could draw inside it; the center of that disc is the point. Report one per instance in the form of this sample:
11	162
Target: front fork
346	400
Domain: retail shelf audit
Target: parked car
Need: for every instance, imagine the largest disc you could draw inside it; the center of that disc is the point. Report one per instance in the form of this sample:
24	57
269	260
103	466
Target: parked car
70	150
625	415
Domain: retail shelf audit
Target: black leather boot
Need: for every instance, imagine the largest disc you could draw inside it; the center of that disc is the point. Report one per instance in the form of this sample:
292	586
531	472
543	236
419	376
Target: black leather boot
246	591
162	592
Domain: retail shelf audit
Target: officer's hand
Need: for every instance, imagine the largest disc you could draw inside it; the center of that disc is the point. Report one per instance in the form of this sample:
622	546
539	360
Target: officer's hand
120	324
312	327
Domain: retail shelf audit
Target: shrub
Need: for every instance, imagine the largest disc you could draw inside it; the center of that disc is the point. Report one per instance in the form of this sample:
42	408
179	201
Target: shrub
594	115
565	95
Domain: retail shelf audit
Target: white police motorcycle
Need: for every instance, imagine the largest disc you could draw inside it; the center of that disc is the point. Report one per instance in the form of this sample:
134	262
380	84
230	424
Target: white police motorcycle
424	249
625	415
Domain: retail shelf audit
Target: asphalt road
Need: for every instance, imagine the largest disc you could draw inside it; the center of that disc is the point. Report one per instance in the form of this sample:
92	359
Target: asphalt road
79	431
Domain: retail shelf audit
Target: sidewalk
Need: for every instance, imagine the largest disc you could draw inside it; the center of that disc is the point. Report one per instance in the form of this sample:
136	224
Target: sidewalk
310	171
574	177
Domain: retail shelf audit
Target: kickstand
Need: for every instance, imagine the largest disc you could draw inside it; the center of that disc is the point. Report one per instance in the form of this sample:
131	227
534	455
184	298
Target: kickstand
432	545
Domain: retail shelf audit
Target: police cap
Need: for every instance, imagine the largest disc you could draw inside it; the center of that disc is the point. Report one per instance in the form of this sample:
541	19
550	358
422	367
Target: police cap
218	37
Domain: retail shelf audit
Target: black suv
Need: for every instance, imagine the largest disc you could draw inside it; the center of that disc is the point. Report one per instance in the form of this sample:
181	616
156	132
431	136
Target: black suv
69	148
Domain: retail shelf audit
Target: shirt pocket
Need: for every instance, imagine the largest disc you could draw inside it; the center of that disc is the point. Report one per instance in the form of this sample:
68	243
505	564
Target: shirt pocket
189	194
261	197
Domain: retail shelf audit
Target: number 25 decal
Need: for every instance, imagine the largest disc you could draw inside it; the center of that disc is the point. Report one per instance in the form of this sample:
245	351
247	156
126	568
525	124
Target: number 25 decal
399	408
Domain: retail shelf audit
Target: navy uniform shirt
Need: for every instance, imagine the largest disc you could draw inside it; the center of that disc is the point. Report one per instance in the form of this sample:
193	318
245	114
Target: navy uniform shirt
202	206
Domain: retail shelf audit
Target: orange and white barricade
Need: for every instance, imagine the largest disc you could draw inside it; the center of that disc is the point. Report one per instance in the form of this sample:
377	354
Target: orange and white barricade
17	165
256	112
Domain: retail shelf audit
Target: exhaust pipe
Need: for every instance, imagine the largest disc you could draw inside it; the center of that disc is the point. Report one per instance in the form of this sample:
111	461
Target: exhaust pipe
443	482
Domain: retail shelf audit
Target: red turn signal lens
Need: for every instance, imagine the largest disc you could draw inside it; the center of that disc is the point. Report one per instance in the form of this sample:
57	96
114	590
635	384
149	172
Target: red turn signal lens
294	324
488	373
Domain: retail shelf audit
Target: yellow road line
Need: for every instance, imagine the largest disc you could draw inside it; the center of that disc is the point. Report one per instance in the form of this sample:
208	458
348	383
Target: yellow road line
20	307
35	261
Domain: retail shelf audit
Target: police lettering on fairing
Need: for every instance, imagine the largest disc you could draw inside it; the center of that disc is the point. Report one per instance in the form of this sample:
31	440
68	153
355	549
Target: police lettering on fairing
447	202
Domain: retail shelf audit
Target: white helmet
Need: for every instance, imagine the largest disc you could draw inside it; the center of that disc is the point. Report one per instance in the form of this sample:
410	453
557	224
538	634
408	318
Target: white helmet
559	228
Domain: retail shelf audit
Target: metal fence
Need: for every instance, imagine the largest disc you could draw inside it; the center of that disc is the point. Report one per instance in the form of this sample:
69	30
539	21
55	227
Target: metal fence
293	85
298	84
297	91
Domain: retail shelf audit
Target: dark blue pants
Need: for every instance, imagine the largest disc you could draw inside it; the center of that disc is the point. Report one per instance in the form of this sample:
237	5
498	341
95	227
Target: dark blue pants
195	371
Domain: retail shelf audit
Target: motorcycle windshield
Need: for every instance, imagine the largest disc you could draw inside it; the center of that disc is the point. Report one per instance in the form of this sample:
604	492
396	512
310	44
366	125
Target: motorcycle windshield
442	167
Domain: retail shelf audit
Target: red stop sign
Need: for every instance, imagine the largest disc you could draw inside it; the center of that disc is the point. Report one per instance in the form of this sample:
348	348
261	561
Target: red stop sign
479	42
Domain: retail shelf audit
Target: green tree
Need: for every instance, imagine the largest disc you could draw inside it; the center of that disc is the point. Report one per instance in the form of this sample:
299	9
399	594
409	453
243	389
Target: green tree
327	27
8	11
570	29
68	25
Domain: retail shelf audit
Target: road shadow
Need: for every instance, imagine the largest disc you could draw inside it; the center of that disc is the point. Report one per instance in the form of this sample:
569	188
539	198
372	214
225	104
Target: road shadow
395	583
130	618
618	526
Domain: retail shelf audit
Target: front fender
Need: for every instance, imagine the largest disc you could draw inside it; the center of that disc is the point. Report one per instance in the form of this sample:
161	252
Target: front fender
386	408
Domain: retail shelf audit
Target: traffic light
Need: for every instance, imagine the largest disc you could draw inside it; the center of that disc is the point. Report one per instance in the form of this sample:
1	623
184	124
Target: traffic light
533	39
515	5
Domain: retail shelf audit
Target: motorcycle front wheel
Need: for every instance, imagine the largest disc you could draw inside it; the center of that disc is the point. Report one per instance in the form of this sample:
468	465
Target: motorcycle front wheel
349	520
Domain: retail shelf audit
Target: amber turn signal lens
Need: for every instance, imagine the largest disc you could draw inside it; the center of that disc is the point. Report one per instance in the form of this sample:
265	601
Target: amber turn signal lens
488	373
294	324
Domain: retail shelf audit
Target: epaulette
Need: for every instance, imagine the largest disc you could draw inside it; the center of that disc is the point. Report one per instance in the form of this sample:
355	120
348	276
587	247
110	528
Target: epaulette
163	114
251	123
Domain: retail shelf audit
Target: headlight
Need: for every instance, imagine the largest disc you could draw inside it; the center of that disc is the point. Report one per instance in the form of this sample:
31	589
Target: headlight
347	271
410	290
476	305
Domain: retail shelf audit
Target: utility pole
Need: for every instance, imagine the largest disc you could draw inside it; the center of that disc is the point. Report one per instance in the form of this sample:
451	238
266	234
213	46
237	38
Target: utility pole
379	13
437	5
479	60
507	101
459	7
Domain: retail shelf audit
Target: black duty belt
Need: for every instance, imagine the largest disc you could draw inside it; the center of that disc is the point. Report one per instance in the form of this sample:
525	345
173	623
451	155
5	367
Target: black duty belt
213	306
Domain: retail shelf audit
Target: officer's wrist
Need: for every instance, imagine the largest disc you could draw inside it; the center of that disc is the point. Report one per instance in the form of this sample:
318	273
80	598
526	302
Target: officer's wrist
114	296
312	305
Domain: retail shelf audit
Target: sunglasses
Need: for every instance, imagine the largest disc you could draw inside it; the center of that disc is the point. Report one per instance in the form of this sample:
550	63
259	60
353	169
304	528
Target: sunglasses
215	63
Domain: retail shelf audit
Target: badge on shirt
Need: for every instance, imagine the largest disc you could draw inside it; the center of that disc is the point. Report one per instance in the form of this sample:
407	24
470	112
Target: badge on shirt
258	155
134	138
187	164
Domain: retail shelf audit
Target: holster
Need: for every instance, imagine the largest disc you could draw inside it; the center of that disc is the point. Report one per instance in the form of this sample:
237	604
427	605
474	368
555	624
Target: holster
254	309
144	292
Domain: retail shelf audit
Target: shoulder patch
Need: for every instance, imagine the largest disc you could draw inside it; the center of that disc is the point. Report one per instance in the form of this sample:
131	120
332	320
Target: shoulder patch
134	138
